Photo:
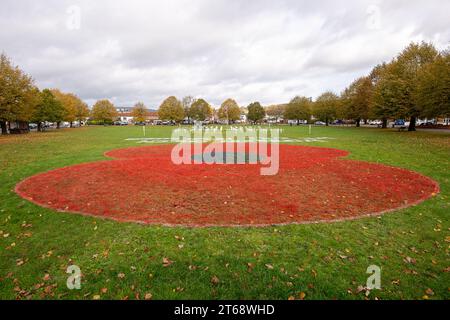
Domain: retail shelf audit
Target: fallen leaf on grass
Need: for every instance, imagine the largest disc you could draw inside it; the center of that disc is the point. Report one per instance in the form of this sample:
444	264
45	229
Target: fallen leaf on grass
148	296
38	286
408	271
20	262
215	280
409	260
166	262
121	275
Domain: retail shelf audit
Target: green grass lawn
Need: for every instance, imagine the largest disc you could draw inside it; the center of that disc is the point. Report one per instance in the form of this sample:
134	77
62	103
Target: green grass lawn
323	261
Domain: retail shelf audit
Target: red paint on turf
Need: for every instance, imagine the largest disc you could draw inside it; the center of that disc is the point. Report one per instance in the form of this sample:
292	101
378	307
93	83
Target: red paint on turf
142	185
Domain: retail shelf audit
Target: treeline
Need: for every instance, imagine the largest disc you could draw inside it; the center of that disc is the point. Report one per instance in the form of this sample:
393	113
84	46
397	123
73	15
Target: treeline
21	102
416	83
193	109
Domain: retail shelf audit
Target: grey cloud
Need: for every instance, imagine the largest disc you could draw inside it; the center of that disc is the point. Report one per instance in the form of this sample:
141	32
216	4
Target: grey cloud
269	51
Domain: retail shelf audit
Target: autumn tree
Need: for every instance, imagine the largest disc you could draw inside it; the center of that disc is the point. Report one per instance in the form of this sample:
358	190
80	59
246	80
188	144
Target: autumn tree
326	106
139	112
200	110
66	103
299	108
433	88
256	112
18	95
380	101
389	93
356	100
229	111
405	71
73	105
74	108
276	111
187	103
103	111
171	109
49	109
82	112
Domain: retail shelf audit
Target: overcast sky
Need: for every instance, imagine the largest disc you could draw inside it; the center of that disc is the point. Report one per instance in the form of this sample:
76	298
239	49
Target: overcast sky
267	51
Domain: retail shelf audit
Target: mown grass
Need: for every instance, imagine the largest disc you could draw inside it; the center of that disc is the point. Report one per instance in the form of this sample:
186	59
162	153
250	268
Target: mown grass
324	261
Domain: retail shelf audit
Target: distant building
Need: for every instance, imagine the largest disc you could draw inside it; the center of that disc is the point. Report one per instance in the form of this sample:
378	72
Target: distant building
125	114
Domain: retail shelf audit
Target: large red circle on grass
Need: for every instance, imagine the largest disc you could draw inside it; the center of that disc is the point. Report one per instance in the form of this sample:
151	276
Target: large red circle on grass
143	185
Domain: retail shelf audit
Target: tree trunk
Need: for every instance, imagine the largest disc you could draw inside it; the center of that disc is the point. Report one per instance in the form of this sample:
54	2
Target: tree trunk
3	126
71	124
412	124
326	122
58	124
39	127
358	123
384	123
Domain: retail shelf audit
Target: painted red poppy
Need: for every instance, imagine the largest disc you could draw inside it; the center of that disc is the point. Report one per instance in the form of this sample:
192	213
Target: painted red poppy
143	185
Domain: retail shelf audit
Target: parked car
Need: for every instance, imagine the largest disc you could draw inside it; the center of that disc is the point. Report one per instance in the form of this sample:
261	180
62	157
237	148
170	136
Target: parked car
168	123
319	123
297	122
140	123
338	122
399	122
33	126
375	122
426	122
